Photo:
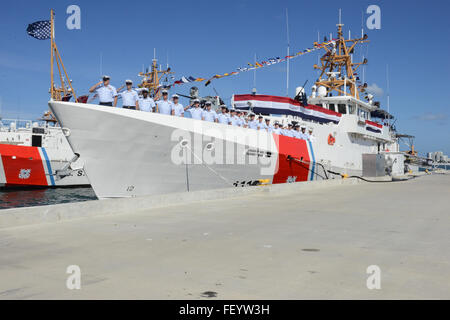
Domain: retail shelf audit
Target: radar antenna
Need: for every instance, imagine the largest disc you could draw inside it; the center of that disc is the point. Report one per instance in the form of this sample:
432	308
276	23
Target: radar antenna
337	69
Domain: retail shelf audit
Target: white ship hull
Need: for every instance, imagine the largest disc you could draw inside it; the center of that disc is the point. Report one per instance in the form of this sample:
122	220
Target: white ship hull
132	153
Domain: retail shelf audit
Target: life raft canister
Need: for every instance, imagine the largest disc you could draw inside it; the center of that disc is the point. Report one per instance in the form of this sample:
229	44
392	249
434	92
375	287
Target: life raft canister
331	139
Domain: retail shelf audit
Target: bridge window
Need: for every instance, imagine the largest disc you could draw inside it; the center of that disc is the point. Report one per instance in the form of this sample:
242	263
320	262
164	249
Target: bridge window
331	107
351	109
362	113
342	108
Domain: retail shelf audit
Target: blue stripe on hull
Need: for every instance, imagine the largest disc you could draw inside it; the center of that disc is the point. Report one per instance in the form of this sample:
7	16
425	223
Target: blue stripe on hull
49	166
313	160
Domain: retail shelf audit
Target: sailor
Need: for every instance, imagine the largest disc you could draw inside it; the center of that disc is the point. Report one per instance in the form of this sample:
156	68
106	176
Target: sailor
252	123
223	117
269	127
288	131
208	114
293	130
245	119
106	93
310	135
129	97
195	110
164	106
276	128
241	121
177	108
234	119
297	133
146	103
303	133
261	125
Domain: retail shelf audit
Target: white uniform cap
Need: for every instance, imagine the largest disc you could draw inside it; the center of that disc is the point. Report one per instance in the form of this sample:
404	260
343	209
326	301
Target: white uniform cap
208	102
128	81
164	91
196	100
175	96
105	77
144	90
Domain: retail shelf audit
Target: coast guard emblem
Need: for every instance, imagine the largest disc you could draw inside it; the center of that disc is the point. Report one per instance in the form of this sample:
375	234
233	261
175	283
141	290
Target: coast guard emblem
291	179
24	173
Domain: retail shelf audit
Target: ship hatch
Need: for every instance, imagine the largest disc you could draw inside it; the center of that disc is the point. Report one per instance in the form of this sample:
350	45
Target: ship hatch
36	141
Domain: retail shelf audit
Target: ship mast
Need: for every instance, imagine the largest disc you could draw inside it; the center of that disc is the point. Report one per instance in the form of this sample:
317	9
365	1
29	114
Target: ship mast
58	93
337	69
150	80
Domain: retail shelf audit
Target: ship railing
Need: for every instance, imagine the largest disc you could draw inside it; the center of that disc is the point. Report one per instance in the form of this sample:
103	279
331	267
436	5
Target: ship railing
16	124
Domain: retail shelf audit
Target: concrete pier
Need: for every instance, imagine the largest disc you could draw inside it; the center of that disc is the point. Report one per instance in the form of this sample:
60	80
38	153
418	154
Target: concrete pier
290	243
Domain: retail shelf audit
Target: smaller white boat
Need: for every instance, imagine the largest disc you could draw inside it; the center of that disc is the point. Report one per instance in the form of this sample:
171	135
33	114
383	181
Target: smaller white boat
37	154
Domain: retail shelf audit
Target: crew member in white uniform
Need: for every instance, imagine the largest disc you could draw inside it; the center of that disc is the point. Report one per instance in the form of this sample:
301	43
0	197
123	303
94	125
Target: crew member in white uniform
310	135
196	111
252	123
261	124
241	119
146	103
276	128
177	108
130	99
224	117
164	106
297	133
244	120
287	131
234	119
291	131
107	94
208	114
269	127
303	134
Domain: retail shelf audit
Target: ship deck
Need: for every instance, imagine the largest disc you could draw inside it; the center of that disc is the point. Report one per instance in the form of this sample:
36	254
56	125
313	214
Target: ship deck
311	244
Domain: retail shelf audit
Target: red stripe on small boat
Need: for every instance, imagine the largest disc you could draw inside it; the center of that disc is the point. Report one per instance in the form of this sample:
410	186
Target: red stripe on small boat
18	158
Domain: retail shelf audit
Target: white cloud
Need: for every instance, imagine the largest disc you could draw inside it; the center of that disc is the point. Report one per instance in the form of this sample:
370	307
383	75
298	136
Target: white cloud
375	90
429	116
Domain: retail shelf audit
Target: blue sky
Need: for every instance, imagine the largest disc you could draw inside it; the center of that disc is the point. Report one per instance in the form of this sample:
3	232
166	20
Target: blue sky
202	38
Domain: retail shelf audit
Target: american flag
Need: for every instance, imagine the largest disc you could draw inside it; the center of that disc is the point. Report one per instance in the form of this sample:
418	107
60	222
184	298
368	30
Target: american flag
40	29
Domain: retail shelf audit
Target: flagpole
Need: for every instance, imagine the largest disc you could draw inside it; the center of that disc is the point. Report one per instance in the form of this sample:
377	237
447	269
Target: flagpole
51	55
